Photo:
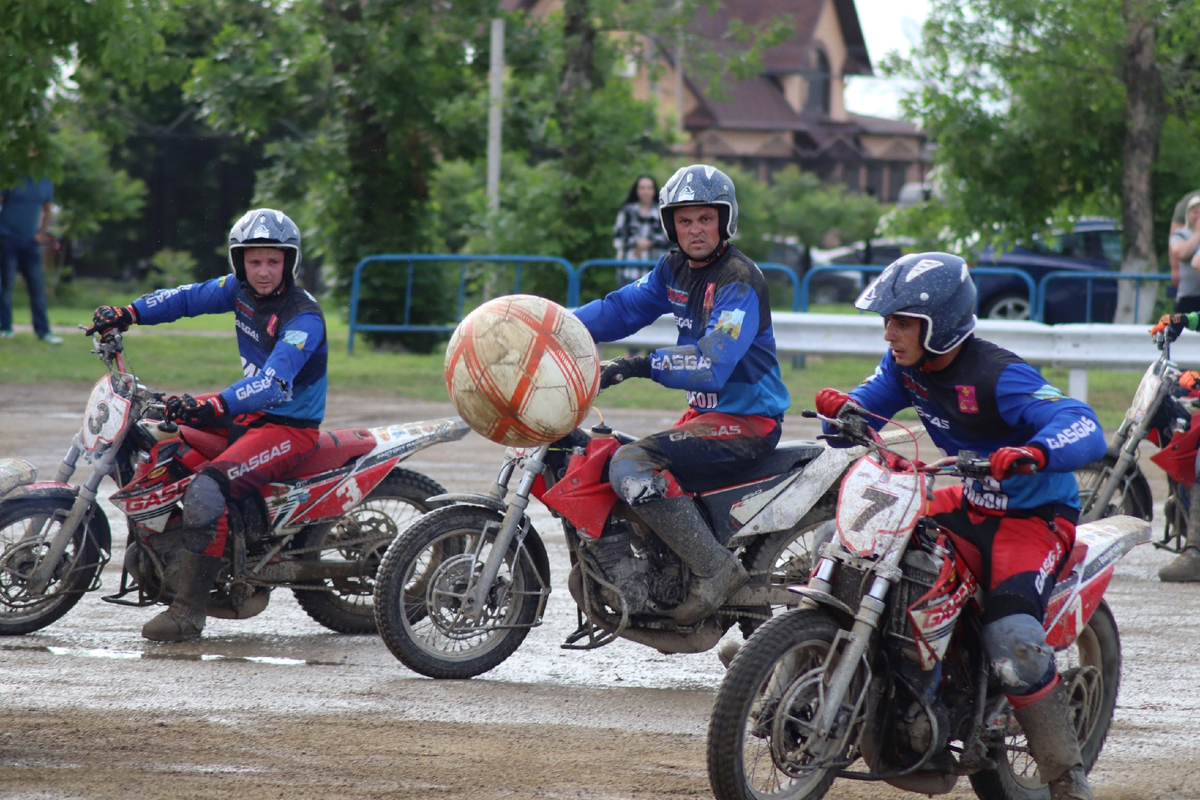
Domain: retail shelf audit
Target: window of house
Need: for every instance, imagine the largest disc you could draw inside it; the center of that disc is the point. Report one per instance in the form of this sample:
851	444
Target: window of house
819	81
897	173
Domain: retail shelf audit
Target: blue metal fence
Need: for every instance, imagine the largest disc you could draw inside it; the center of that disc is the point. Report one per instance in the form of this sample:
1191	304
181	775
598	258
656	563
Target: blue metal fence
412	259
865	269
801	289
1090	278
767	267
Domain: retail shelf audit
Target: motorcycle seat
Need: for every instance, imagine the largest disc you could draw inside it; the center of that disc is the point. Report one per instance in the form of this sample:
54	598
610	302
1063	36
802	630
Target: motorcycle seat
333	449
785	456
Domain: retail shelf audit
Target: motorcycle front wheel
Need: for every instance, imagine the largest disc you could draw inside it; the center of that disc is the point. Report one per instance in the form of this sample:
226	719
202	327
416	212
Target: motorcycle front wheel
421	589
1091	668
1132	497
23	549
761	739
363	535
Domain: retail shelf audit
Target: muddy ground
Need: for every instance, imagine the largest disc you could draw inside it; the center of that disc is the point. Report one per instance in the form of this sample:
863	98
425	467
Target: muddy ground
276	706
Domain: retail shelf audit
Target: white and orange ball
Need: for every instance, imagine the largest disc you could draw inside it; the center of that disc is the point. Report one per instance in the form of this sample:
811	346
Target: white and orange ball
522	370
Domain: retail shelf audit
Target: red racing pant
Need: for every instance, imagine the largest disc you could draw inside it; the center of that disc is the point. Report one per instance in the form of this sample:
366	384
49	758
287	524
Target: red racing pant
260	451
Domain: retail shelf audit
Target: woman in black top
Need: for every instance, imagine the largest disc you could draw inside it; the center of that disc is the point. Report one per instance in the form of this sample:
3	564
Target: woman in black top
638	233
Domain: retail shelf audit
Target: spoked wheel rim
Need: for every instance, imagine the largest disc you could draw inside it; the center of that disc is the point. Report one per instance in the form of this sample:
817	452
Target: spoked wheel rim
434	593
1080	669
1009	308
776	759
19	557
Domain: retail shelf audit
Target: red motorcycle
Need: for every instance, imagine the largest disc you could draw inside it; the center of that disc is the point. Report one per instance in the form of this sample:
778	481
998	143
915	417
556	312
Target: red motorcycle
459	590
320	532
880	674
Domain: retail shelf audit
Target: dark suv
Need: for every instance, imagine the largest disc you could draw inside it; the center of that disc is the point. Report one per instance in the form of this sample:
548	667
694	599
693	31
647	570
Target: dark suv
1094	245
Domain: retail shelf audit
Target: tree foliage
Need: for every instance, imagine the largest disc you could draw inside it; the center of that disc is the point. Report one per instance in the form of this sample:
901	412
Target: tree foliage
40	43
1027	102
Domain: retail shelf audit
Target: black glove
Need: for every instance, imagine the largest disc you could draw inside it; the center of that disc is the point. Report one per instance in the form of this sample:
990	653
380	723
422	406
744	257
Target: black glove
187	410
617	370
106	317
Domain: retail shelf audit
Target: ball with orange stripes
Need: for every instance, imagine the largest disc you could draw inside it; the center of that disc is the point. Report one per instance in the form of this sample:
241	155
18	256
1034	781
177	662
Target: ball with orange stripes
522	370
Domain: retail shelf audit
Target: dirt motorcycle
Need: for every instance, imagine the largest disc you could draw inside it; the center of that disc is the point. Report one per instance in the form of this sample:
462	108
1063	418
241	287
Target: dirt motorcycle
458	591
319	531
1162	414
883	659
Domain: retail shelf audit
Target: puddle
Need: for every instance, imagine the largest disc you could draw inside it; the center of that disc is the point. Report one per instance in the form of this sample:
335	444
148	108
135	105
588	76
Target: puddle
133	655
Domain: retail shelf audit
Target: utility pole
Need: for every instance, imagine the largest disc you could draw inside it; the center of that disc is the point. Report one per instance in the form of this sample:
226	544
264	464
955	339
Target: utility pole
495	116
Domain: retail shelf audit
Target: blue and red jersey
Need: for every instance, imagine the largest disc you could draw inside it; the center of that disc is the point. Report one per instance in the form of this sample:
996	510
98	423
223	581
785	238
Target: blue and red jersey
725	356
281	340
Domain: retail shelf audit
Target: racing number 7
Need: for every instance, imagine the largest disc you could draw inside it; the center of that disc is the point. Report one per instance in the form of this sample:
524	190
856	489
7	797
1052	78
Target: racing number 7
880	500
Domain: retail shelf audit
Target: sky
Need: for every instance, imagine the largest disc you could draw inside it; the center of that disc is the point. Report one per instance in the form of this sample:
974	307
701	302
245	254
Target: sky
887	25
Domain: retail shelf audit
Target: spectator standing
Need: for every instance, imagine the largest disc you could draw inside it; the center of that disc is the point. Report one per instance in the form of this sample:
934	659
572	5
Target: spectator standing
638	233
1178	220
24	219
1183	246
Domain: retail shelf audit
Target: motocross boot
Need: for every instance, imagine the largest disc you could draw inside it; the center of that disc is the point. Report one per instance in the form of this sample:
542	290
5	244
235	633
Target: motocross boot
185	618
1054	745
716	572
1186	566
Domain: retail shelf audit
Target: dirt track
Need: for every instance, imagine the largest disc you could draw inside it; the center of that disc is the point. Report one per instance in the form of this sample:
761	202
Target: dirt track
276	706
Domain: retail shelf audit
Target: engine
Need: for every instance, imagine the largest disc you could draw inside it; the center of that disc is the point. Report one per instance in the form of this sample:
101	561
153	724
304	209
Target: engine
645	576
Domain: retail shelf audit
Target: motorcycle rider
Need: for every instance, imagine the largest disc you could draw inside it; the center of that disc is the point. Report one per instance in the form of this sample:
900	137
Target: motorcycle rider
974	395
724	359
1185	568
270	416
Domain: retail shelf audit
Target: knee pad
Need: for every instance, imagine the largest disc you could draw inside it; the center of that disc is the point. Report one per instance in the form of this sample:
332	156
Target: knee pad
633	479
203	502
1016	647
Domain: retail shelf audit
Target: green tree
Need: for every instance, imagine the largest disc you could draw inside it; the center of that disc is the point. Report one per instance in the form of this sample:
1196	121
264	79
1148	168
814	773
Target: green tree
41	43
371	89
91	191
1043	110
804	207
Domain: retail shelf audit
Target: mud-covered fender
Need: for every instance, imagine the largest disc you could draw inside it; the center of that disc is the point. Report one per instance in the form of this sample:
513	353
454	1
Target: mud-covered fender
533	542
52	490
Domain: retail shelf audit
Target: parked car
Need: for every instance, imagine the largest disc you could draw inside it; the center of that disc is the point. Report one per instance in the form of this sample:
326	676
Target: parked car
1094	245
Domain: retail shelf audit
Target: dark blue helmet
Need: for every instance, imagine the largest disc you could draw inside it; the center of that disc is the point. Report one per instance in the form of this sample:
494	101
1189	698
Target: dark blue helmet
265	227
698	185
934	287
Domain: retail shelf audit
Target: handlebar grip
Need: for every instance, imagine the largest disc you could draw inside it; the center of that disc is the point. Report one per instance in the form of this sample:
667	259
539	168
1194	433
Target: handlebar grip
809	413
168	427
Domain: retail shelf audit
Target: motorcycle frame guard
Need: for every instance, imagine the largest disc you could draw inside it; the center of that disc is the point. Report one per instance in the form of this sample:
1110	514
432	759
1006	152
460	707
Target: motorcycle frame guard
582	497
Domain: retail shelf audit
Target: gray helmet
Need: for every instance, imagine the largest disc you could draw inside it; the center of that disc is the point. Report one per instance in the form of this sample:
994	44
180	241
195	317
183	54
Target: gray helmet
698	185
265	227
934	287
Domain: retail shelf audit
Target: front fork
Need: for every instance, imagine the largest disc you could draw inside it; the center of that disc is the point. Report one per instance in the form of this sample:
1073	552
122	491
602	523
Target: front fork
850	656
80	513
1127	438
481	585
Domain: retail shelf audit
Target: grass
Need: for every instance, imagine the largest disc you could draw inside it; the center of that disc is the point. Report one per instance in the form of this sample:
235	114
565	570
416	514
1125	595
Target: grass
194	360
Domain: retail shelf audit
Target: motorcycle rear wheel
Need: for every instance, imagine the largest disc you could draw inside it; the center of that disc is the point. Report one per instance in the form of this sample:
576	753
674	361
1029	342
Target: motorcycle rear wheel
19	612
420	589
1092	667
347	606
752	749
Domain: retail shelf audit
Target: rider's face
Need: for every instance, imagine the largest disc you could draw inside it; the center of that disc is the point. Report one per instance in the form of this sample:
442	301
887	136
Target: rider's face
696	229
264	269
903	335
